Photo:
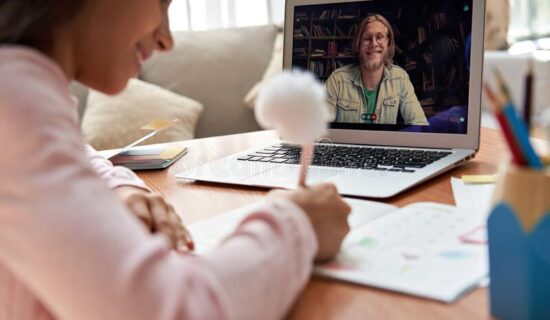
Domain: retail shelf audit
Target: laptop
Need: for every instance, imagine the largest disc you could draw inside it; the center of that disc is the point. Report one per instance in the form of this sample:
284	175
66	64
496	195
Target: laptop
421	119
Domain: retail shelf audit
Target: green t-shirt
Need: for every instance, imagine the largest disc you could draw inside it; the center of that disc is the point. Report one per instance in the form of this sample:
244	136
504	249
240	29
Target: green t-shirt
370	100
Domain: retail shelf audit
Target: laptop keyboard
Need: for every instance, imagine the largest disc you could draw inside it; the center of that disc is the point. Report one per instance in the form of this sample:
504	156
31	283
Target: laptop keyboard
383	159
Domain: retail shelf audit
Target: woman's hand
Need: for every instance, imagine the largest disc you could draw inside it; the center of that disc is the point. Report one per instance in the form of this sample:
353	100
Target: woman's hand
327	212
157	215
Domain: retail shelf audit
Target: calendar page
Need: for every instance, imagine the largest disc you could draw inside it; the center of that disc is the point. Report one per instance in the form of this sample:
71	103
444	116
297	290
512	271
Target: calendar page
418	249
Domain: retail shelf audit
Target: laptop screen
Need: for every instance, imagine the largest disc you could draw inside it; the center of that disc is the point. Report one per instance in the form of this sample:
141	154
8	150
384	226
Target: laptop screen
389	65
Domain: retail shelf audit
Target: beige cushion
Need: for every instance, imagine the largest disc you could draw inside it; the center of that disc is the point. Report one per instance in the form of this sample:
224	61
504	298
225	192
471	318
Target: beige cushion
275	66
115	121
217	68
497	18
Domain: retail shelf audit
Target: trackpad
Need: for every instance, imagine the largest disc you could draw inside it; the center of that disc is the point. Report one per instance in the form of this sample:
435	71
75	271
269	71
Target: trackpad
287	176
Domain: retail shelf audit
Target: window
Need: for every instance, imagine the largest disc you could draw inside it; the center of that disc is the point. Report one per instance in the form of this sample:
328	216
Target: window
529	20
214	14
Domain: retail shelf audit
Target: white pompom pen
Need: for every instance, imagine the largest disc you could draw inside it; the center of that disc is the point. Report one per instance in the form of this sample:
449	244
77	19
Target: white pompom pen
294	104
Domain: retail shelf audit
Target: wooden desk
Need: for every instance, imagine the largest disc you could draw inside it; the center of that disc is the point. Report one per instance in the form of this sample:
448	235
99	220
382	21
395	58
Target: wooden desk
326	299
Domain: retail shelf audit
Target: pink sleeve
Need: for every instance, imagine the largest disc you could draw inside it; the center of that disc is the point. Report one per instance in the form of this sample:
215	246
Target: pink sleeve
115	176
69	240
274	259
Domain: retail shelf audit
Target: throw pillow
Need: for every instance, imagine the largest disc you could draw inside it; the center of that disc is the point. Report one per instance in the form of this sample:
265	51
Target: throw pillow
275	66
497	18
115	121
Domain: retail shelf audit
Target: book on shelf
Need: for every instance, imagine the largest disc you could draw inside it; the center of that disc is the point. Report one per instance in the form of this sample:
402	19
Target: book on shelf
346	14
428	80
321	68
316	53
327	14
332	48
345	51
299	52
398	50
451	77
410	65
321	31
352	30
396	31
301	32
300	16
338	32
421	35
417	249
427	102
428	57
439	21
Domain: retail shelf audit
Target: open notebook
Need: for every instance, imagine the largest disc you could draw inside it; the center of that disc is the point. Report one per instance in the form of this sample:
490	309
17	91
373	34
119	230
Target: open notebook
416	249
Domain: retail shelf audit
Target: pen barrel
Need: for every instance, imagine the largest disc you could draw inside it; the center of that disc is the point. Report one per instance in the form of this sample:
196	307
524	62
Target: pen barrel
305	161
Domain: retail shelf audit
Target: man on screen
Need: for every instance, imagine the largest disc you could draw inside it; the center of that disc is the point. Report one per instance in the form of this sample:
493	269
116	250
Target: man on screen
374	90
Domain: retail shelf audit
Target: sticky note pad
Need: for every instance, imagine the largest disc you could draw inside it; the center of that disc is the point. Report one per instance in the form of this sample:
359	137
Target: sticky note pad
479	179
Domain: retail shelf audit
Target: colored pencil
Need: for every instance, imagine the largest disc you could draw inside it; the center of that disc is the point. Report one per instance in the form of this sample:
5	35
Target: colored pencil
517	157
520	131
517	127
528	95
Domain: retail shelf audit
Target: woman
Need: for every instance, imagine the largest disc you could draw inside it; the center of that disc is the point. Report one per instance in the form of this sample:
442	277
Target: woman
69	248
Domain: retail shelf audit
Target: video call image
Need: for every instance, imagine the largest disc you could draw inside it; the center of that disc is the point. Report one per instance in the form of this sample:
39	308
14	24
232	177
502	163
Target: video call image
395	65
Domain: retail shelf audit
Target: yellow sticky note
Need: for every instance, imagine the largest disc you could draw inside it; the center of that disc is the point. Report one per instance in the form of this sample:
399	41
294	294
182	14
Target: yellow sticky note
159	125
479	179
171	153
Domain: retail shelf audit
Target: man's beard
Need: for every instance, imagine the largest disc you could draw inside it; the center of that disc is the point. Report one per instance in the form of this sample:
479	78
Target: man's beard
373	66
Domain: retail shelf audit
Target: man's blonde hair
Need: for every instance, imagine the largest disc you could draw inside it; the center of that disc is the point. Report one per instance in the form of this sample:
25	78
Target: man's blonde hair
388	60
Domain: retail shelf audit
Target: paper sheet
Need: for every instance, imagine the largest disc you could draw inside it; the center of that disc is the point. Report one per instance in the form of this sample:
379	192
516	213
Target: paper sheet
474	198
208	233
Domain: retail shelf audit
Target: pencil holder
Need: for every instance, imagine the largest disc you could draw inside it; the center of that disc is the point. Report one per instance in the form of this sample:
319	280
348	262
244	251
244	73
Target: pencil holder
519	245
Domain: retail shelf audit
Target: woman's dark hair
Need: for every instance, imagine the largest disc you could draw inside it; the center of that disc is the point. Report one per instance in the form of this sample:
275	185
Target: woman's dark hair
32	22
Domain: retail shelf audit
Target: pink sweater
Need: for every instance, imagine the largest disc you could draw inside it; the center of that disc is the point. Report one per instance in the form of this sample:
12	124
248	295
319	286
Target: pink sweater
69	249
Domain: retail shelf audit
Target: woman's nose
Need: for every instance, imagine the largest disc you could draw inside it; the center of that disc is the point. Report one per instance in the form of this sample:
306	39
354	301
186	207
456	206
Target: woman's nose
163	39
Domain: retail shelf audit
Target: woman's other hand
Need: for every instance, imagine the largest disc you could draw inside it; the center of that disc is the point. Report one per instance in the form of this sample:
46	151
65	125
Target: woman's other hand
157	215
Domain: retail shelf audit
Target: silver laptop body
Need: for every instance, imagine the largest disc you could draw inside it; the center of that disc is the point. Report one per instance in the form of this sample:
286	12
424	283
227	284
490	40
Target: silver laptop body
457	142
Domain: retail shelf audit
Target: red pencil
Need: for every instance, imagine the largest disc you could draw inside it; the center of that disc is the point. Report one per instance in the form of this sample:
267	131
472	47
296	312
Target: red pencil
515	150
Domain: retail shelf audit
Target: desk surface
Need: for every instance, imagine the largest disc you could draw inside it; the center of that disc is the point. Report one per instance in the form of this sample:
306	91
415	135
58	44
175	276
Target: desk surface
327	299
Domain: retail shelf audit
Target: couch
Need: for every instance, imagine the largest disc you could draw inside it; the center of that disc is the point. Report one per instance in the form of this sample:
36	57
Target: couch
216	68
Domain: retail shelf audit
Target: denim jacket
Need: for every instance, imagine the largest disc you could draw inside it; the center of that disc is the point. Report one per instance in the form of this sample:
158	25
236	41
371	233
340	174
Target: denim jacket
347	103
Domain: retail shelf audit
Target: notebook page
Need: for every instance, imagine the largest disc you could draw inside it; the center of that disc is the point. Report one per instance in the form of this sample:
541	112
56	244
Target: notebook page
208	233
415	250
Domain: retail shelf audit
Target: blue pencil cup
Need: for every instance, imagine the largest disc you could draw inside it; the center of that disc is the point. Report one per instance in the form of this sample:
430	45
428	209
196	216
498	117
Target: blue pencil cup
519	245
